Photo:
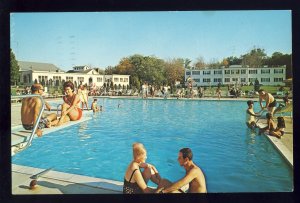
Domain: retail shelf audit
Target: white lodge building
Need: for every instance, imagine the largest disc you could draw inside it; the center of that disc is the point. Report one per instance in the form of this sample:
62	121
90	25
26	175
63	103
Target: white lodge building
49	74
236	74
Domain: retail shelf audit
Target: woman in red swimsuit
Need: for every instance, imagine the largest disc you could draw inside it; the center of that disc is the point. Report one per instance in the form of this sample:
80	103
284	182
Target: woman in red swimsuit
70	108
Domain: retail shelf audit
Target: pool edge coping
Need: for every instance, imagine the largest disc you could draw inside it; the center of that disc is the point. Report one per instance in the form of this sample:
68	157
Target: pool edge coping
282	149
98	183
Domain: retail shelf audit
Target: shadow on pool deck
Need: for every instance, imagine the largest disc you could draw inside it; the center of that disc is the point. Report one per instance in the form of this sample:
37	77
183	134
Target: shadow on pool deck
55	182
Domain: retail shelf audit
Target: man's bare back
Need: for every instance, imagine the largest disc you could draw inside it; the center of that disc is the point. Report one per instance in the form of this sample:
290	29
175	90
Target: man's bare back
30	110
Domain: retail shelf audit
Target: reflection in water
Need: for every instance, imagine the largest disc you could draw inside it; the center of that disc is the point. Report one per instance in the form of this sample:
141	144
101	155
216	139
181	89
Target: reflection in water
82	131
82	126
250	136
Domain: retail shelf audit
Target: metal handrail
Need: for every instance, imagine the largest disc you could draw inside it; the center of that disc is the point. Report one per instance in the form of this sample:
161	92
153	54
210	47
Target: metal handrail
57	108
21	145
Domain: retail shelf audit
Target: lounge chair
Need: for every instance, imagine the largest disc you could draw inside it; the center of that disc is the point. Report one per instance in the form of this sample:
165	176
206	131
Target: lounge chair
286	109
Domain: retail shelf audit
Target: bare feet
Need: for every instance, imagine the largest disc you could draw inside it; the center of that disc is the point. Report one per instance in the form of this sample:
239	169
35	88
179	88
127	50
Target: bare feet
48	123
39	133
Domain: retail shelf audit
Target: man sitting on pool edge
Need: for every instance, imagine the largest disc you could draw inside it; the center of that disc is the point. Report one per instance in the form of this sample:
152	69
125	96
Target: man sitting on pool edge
194	176
30	109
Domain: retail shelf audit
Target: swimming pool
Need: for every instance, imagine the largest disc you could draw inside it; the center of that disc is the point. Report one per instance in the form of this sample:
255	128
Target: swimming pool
232	157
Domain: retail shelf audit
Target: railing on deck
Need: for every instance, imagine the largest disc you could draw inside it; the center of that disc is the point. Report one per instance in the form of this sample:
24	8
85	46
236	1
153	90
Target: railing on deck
24	145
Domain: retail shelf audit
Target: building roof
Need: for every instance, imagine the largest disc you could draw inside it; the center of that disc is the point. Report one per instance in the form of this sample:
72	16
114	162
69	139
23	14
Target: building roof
25	66
91	71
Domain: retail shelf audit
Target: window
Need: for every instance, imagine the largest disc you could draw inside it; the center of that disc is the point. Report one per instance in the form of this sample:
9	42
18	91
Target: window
188	72
206	72
196	72
265	71
197	80
227	71
206	79
125	79
217	79
278	71
278	79
243	79
80	79
235	79
218	72
69	79
265	79
235	71
252	71
227	79
243	71
121	79
99	79
252	79
116	79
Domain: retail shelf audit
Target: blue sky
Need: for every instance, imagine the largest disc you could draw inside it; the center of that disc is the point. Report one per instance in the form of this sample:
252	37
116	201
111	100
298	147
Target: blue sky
101	39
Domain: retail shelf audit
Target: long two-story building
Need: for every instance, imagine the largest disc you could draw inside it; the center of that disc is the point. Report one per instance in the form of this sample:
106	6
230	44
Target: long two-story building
237	74
49	74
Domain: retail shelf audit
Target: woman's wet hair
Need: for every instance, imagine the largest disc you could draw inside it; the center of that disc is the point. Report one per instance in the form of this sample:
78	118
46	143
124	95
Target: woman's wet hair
138	149
69	84
280	122
186	153
249	102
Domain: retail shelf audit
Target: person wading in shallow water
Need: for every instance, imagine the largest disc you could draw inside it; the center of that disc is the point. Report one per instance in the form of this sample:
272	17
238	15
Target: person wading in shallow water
194	176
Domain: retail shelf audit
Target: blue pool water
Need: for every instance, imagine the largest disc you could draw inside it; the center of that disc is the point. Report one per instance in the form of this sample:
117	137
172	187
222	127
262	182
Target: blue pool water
233	158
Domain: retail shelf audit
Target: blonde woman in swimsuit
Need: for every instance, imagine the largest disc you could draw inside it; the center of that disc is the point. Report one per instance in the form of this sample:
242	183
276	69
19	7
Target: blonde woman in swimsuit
135	180
70	108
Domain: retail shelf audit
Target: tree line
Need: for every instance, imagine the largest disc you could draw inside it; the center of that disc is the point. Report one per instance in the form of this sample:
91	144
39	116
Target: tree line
156	71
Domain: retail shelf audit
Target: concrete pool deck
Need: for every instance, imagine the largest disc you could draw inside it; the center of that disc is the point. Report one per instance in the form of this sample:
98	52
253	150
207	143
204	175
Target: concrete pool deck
55	182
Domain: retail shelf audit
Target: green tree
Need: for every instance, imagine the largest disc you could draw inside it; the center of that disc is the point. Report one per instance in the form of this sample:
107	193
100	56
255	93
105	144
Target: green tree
14	69
145	68
187	63
200	64
214	63
124	67
110	70
254	58
233	60
135	82
174	71
281	59
256	85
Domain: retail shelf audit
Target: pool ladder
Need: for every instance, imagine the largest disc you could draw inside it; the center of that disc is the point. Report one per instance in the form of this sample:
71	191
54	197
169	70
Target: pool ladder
25	144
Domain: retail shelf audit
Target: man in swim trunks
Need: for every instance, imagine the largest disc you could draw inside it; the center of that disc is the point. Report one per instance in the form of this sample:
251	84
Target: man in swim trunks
30	109
270	101
94	106
194	176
